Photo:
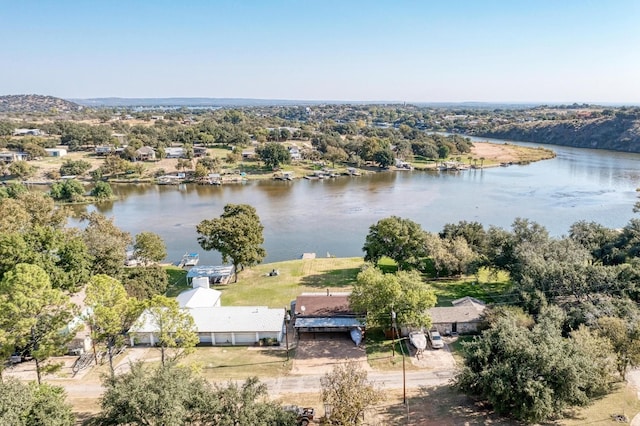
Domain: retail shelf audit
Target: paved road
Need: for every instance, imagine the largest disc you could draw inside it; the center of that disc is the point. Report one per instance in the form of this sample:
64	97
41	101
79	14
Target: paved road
301	384
386	380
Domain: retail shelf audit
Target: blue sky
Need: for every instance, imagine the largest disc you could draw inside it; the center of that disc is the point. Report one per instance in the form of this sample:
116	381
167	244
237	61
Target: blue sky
413	51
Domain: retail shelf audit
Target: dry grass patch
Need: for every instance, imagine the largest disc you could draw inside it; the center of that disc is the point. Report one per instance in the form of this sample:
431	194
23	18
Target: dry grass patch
239	362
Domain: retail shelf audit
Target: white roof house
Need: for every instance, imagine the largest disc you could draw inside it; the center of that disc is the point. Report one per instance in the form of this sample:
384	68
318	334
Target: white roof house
230	325
199	297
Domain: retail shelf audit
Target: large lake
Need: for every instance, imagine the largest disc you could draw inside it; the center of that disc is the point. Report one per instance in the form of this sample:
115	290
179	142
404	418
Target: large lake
333	216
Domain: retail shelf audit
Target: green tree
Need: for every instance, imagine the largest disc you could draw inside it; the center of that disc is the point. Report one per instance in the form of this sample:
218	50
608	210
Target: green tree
21	169
334	154
144	282
149	248
378	295
31	404
384	158
36	315
107	244
624	335
68	190
174	327
402	240
112	313
533	374
74	167
102	191
273	155
180	397
350	394
236	234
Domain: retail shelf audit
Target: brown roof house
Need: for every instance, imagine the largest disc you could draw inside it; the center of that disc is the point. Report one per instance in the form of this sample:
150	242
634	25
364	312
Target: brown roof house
463	317
146	153
324	313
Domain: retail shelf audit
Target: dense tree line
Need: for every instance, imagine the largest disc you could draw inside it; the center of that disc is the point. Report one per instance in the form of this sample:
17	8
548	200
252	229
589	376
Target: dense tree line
565	331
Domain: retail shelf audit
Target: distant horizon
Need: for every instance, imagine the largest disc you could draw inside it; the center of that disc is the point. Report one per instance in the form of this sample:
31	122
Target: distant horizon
203	99
487	51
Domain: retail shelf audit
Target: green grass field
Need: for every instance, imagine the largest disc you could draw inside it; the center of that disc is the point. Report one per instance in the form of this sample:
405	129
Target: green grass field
256	287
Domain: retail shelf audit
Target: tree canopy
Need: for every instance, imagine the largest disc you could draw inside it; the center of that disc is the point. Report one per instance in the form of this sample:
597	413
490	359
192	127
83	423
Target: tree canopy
34	314
23	404
350	394
236	234
534	374
378	294
402	240
171	395
273	155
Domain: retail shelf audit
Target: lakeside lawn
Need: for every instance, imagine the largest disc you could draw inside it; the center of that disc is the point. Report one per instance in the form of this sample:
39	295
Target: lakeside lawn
256	288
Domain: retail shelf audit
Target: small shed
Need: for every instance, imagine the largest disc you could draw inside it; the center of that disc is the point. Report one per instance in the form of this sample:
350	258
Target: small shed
199	297
463	317
221	274
56	152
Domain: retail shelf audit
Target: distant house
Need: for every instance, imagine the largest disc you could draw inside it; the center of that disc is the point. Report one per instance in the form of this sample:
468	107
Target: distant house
463	317
174	152
104	150
248	155
199	151
295	154
28	132
146	153
324	313
56	152
221	274
157	117
11	156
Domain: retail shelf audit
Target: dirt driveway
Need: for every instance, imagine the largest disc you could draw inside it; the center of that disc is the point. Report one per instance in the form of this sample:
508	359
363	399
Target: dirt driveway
317	353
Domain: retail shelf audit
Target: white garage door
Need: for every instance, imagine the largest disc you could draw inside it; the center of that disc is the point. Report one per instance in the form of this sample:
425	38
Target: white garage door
245	338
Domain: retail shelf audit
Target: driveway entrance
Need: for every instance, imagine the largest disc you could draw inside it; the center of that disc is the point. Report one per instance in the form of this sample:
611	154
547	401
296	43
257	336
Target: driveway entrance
317	353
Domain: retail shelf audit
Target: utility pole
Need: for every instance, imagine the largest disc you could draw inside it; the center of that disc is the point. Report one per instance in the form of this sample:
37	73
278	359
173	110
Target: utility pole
287	318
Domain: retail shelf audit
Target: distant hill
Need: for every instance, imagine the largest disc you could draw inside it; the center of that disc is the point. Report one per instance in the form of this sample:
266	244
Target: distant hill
187	102
617	133
36	103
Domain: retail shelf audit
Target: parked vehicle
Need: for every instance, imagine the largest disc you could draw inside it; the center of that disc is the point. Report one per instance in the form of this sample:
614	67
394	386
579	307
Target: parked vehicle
436	340
304	416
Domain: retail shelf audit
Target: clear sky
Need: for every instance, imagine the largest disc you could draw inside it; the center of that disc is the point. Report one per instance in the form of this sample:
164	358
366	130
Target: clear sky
415	51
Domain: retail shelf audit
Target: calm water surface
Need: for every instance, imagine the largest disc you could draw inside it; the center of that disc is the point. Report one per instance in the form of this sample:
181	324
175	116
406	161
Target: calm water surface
333	216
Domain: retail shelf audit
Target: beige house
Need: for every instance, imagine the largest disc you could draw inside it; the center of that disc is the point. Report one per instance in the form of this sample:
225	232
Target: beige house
463	317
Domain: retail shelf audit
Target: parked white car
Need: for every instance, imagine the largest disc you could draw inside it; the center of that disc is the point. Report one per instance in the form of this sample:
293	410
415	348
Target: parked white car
436	340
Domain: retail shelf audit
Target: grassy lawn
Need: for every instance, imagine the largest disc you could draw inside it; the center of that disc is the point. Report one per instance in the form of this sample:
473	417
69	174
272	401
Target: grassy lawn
380	352
177	281
256	287
238	362
487	287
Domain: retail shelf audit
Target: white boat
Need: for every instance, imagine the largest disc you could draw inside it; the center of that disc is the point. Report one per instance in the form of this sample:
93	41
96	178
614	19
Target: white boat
418	339
190	259
356	335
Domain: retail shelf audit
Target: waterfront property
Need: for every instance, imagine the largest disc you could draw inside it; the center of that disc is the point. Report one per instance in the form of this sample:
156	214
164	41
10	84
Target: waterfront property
324	313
